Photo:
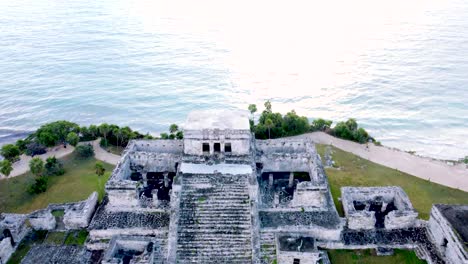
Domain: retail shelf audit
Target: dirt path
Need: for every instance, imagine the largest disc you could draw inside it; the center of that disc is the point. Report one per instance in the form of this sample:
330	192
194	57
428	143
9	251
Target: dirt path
22	166
102	154
455	176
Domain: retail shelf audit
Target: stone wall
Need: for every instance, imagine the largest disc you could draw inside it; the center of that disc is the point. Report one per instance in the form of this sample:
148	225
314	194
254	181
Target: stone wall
239	140
285	257
447	242
80	215
15	224
42	220
394	203
6	249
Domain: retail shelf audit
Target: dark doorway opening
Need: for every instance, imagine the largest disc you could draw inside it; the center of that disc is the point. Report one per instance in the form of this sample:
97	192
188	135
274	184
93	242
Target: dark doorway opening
296	261
155	181
227	148
217	147
206	147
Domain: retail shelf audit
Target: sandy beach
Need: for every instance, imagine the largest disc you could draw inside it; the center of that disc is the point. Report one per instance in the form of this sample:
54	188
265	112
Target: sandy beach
455	176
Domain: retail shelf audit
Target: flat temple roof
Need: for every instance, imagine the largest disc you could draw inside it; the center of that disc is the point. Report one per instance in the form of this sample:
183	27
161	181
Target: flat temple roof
457	216
218	119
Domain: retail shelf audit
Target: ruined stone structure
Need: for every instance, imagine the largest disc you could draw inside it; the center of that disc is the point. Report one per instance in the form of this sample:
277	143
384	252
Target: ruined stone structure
220	196
448	227
377	207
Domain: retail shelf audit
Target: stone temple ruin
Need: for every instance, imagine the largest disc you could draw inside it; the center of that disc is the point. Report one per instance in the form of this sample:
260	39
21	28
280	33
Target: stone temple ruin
221	196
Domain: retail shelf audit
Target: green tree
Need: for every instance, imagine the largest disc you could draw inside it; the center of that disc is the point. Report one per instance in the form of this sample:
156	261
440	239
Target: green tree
173	128
10	152
164	136
104	129
269	125
179	135
5	167
56	132
93	131
84	151
321	124
100	170
53	167
36	165
118	135
73	138
294	124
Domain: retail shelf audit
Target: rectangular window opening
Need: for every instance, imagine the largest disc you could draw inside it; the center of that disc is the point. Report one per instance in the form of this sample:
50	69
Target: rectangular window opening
297	261
227	148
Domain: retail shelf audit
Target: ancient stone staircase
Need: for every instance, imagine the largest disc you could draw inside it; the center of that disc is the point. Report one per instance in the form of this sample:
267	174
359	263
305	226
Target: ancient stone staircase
215	222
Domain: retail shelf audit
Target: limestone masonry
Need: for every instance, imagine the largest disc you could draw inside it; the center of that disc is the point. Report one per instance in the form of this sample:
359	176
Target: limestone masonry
221	196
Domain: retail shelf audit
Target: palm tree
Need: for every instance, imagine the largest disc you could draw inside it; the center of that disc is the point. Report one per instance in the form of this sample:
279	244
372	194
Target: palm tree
269	125
252	109
104	129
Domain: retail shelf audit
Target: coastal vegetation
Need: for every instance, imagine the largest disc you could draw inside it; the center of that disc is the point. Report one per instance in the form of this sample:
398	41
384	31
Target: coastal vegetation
77	183
5	167
351	170
276	125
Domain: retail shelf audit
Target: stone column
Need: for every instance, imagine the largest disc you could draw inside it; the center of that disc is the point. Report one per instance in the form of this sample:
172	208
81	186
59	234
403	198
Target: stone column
270	180
166	179
291	179
145	179
276	200
155	197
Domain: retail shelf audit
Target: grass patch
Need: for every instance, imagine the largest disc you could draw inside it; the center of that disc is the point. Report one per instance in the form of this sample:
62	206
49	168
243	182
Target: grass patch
356	171
35	237
58	213
77	237
78	182
55	238
368	256
201	199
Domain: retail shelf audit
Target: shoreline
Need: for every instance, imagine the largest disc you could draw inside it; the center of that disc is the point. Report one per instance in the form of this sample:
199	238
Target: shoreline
451	175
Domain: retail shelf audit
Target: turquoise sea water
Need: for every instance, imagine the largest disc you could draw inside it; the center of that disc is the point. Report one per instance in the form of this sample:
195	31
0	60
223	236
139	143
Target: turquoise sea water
399	67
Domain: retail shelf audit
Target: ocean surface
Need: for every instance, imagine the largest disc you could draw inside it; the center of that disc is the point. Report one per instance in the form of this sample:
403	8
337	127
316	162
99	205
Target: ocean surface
399	67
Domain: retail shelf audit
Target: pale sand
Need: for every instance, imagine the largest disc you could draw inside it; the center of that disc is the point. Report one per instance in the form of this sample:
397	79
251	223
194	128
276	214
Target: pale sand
103	155
22	166
455	176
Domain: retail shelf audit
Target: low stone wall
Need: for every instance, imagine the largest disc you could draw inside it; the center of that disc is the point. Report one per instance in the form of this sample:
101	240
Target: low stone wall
80	215
42	220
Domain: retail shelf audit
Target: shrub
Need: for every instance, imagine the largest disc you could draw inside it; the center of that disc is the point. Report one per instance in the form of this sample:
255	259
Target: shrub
36	165
39	186
179	135
53	167
72	138
164	136
10	152
35	148
5	167
85	151
22	144
100	170
320	125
